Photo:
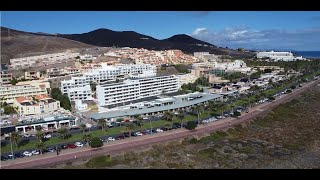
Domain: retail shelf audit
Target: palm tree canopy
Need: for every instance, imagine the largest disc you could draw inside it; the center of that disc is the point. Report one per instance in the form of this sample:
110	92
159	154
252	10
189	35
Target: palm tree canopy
102	123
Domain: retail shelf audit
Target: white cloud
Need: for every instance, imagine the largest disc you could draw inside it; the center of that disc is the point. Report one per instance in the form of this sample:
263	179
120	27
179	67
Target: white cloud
199	31
235	37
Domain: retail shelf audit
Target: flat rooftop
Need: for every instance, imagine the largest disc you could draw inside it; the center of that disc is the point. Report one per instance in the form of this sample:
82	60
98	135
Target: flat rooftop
178	102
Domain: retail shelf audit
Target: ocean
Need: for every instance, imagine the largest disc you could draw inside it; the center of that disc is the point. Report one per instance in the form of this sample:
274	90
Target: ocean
307	54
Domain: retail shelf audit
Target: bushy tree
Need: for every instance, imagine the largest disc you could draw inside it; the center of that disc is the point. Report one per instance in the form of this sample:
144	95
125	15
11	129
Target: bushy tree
191	125
64	100
96	142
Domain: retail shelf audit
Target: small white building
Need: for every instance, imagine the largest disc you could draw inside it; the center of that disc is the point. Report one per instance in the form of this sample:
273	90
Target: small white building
80	106
80	93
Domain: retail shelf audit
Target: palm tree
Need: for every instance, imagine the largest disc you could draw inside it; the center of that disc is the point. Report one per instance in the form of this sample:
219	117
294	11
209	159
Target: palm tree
63	133
222	108
169	117
39	135
40	146
198	109
87	138
102	123
83	127
129	127
139	120
15	137
181	117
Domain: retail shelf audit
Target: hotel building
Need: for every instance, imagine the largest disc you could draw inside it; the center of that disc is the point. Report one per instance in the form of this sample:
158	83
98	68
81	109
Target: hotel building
136	88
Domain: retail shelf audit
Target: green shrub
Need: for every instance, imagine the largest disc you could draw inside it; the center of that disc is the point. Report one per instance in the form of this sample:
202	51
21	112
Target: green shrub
96	142
101	161
191	125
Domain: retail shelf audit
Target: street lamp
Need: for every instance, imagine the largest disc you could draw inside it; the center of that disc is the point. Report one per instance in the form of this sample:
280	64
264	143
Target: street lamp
11	147
150	126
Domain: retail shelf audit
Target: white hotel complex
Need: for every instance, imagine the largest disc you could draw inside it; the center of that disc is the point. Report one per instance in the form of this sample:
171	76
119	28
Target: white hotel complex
81	85
279	56
134	89
10	92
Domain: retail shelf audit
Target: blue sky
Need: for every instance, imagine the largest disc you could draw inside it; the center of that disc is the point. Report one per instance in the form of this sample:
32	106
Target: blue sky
299	30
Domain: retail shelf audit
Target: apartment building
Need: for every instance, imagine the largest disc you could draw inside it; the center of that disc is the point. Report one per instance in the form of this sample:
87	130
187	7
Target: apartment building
186	78
279	56
10	92
80	93
35	105
5	77
25	62
134	89
33	75
107	73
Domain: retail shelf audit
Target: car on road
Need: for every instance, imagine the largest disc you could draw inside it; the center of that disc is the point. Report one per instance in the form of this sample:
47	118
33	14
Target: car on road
71	146
35	152
27	153
78	144
3	158
159	130
111	139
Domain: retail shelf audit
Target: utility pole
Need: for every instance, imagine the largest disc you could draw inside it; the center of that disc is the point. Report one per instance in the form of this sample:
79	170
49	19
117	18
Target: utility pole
150	126
11	147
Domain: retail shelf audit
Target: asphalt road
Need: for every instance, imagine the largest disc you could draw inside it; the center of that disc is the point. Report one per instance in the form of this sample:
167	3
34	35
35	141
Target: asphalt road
45	160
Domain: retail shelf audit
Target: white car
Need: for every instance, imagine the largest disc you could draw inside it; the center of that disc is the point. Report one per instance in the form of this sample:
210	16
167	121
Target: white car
139	134
159	130
35	152
111	139
26	135
78	144
47	136
27	153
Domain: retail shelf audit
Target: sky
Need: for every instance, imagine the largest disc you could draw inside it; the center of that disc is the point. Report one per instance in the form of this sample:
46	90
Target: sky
289	30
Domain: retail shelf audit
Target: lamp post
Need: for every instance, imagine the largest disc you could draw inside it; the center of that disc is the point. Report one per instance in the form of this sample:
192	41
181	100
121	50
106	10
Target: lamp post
11	147
150	126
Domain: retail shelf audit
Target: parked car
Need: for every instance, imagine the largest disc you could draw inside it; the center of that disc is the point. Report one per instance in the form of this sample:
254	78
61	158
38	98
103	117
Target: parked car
3	158
27	153
111	139
159	130
120	137
78	144
63	147
47	136
139	134
50	150
18	155
26	135
143	132
126	134
10	156
133	134
71	146
35	152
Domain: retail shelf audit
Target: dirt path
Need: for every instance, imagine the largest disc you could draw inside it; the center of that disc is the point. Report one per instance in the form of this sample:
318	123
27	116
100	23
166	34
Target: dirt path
42	161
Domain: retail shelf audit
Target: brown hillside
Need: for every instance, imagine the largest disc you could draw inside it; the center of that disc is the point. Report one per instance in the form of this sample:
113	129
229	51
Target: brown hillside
17	43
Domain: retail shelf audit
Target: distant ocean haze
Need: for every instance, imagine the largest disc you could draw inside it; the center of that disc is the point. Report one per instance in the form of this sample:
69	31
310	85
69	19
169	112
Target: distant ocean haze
308	54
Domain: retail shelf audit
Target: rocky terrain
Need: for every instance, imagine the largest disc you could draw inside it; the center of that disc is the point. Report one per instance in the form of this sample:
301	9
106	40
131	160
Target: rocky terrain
287	137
